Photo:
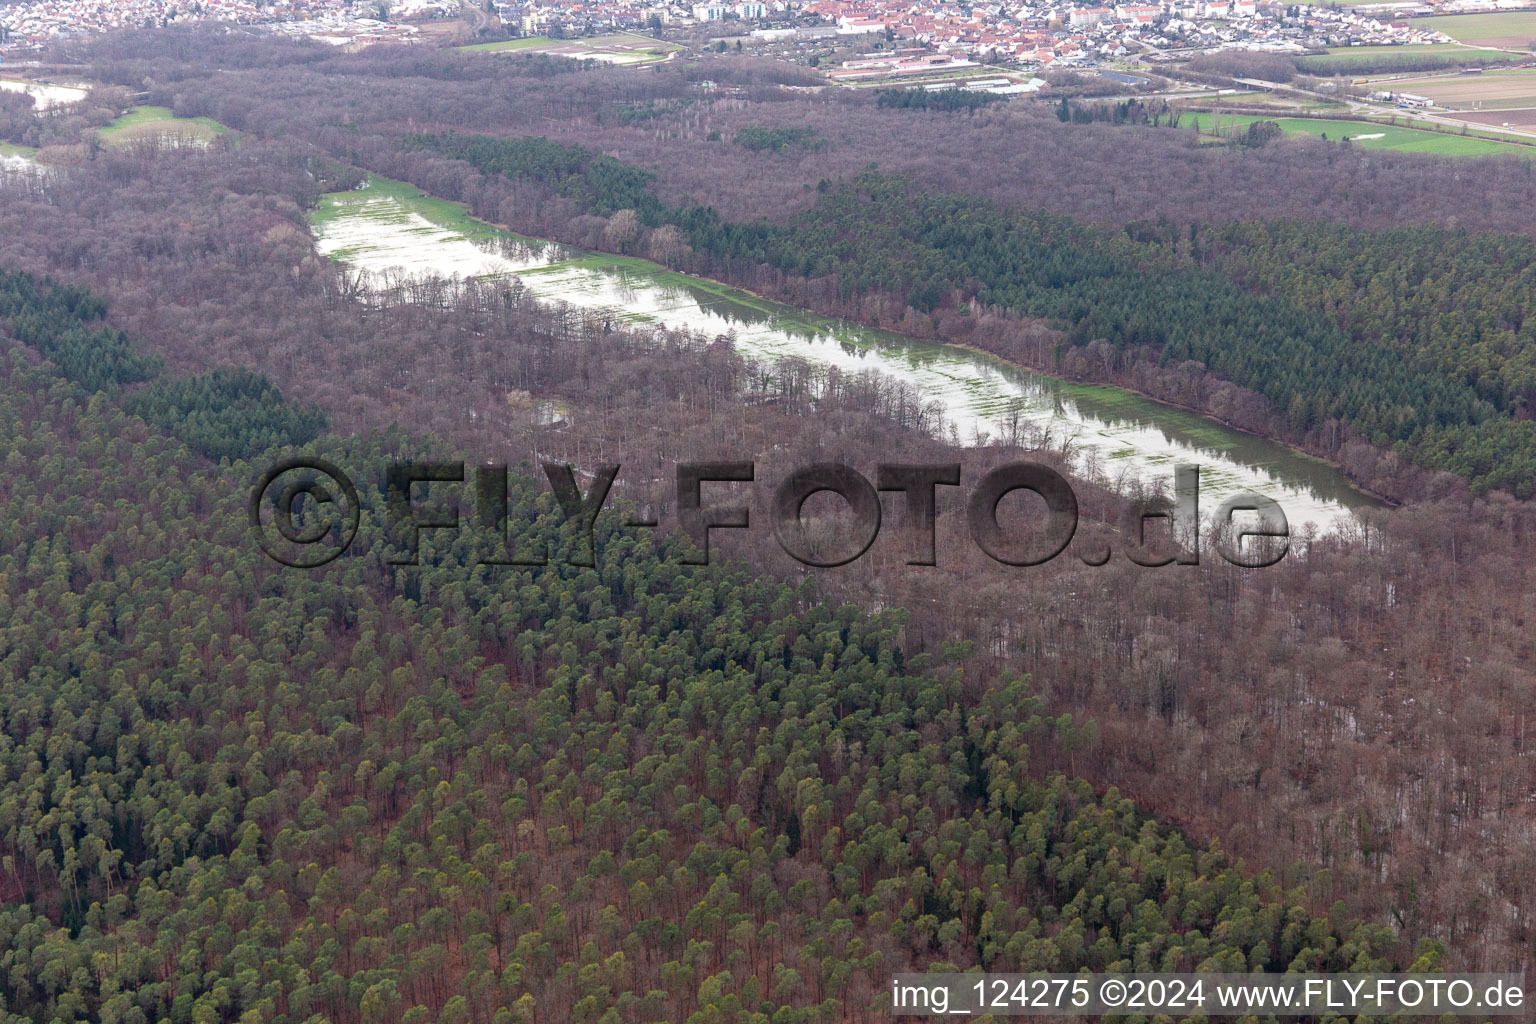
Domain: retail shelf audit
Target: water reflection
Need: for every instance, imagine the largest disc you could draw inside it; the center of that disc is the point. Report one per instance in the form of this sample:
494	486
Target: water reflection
1121	435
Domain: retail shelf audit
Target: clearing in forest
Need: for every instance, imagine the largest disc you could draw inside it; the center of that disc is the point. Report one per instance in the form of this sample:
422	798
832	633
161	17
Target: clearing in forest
141	123
620	48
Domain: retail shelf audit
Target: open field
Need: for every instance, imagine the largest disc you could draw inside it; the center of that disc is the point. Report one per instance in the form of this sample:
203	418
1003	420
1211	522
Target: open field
1375	136
159	122
1472	130
439	212
1524	118
619	48
1279	101
1359	60
528	43
1508	29
934	78
1492	89
1426	48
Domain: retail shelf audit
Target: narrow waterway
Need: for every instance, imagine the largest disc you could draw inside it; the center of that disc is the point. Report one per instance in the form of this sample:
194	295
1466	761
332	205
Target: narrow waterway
387	227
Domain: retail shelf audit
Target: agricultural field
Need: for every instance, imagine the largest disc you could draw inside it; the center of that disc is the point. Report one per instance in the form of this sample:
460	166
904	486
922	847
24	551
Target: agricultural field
1511	30
526	43
142	123
1390	49
1524	118
1369	135
626	48
1362	60
940	77
1493	90
1279	101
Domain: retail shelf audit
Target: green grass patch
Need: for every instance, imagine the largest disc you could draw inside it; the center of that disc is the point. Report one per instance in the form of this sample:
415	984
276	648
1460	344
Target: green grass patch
1477	131
512	44
632	48
442	212
145	121
1384	136
1506	28
1389	48
1365	60
137	116
6	149
1280	103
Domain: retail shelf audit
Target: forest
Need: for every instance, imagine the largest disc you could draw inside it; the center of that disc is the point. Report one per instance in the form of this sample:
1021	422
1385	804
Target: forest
232	413
642	791
1444	381
648	791
924	99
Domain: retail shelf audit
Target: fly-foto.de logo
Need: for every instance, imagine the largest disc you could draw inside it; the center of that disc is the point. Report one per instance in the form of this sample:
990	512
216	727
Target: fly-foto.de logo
306	512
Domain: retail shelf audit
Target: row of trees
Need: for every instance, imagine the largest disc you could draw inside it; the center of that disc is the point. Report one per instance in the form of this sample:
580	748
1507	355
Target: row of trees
926	99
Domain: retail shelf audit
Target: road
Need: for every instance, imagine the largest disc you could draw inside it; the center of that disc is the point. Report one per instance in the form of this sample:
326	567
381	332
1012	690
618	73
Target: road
475	15
1445	120
1363	108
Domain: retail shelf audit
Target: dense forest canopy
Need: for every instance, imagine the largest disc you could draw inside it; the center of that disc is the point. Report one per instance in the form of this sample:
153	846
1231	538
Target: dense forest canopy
926	99
1014	153
374	794
1253	308
632	793
227	414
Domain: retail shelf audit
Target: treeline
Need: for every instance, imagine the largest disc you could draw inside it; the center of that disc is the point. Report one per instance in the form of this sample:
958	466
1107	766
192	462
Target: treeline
22	123
18	123
1130	111
926	99
225	414
601	184
1139	290
636	113
775	140
1271	67
1451	304
64	323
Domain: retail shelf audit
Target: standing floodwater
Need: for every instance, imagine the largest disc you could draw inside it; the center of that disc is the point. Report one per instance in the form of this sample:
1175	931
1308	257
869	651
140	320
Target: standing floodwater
45	96
388	226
